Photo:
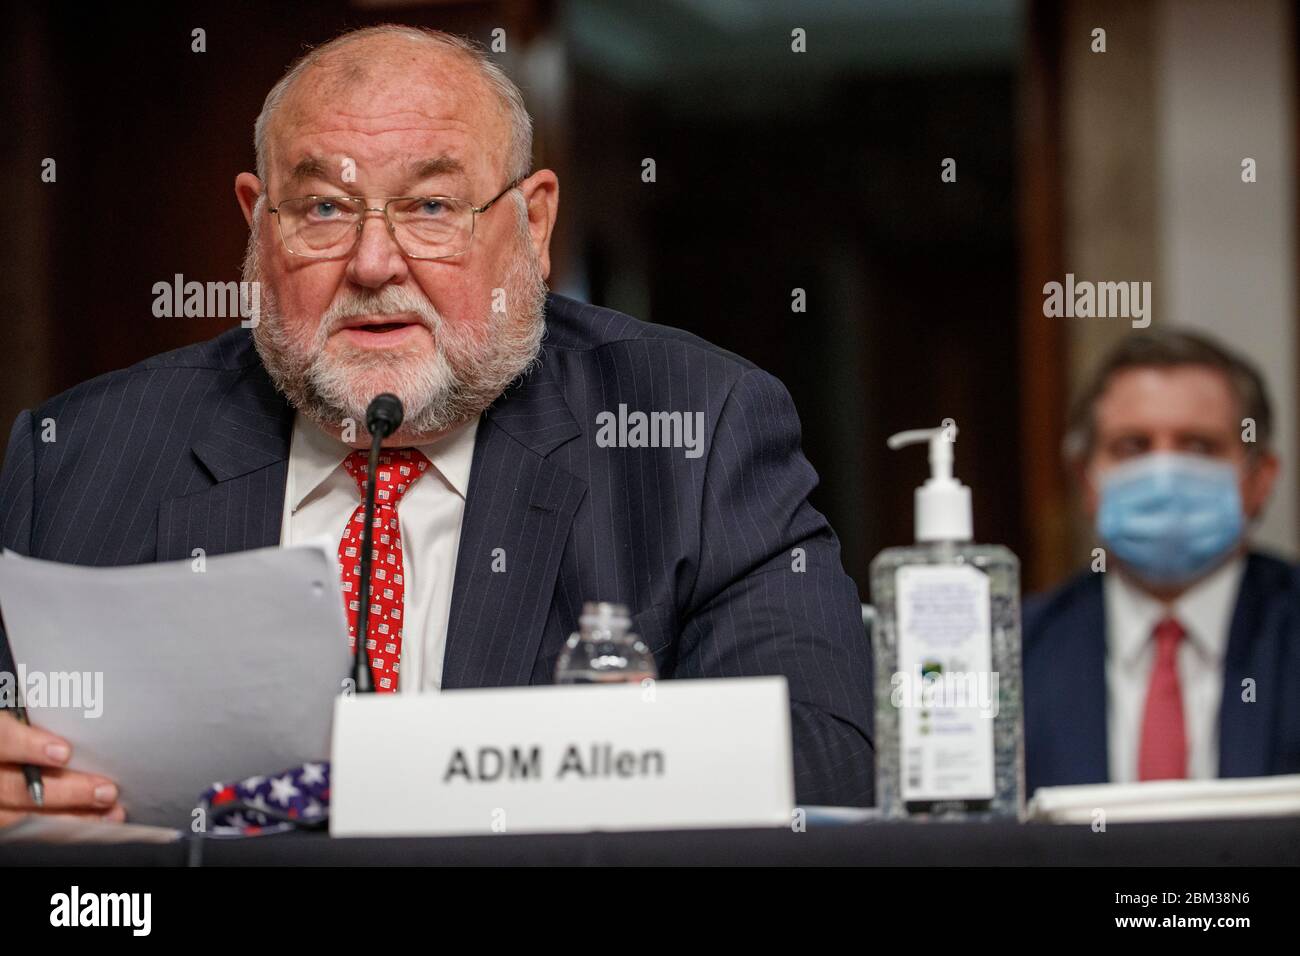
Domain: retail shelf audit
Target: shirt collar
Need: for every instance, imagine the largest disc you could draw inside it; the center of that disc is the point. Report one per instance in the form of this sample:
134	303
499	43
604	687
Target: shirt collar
315	455
1204	610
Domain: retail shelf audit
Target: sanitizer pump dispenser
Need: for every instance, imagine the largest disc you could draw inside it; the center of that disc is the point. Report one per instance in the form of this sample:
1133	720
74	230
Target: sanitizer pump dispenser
949	728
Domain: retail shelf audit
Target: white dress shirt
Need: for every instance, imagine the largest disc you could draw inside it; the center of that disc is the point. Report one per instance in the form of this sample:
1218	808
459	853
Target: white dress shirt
1205	612
320	497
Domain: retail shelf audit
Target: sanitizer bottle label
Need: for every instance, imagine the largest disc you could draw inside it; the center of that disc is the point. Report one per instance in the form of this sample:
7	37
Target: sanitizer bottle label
945	690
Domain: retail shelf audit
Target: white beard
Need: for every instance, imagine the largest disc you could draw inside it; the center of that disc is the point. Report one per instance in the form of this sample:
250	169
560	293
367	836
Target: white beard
439	390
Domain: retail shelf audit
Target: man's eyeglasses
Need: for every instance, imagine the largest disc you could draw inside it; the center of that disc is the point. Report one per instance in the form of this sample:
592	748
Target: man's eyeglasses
424	227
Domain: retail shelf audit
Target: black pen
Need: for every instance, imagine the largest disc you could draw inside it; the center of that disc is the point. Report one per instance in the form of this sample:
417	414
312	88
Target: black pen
31	773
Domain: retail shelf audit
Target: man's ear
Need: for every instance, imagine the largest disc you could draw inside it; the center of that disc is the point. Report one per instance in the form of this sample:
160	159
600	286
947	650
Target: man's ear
247	188
1257	482
542	193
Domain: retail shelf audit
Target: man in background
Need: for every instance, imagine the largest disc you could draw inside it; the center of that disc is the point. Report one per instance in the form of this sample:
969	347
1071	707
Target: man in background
1175	655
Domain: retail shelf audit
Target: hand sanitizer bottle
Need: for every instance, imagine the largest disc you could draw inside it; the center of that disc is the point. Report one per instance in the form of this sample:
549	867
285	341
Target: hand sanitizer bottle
949	734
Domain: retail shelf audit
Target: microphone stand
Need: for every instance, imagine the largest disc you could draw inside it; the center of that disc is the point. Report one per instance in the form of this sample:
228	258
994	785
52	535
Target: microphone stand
383	417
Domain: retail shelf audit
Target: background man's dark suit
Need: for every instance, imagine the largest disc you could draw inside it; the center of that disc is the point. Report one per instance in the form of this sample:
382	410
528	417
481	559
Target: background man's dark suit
190	450
1065	680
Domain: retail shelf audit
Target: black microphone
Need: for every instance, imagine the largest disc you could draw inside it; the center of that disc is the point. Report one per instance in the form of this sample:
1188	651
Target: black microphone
383	417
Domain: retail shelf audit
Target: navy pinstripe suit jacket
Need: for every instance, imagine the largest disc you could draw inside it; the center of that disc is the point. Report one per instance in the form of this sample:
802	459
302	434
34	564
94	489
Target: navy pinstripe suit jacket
190	450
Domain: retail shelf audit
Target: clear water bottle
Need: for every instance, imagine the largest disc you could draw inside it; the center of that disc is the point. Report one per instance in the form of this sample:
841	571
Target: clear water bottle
603	650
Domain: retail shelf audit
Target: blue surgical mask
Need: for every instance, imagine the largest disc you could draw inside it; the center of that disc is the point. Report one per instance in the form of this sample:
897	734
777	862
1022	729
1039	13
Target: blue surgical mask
1170	517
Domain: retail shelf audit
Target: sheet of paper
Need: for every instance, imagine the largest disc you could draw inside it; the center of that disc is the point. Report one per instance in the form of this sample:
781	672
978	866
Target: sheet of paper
1168	800
168	678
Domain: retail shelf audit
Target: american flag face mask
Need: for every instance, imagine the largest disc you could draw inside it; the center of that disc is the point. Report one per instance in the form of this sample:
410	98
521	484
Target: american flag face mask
295	799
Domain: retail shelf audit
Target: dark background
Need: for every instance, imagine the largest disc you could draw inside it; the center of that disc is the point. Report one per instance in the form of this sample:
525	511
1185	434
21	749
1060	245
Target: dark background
775	171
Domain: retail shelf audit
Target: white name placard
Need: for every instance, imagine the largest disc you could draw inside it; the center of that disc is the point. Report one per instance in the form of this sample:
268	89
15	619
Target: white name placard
691	753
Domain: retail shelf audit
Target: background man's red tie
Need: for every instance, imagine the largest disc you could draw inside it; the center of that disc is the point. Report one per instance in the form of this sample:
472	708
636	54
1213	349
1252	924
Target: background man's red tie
398	470
1163	751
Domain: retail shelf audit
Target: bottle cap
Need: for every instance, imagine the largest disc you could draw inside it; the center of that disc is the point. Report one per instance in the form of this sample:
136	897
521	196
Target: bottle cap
605	617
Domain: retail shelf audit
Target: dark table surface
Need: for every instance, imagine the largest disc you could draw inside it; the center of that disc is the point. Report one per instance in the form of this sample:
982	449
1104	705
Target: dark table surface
1264	842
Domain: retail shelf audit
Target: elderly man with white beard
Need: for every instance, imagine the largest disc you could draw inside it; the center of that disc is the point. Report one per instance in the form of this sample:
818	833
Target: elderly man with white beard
401	244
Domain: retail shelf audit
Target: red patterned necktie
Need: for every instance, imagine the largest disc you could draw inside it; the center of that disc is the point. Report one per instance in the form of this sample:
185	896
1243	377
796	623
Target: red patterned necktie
398	469
1163	751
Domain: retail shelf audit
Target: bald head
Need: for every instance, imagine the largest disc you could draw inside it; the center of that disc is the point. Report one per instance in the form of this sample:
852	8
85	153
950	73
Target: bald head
419	72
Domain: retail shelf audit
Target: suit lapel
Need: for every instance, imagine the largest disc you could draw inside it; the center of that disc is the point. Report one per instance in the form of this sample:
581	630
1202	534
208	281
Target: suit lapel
1080	673
246	453
517	517
1065	690
1259	626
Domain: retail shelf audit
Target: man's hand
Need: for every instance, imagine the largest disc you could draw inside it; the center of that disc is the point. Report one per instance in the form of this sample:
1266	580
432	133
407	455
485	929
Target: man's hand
66	791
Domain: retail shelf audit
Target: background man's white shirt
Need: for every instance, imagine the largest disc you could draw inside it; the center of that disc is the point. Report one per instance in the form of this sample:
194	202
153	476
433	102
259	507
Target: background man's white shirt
320	498
1205	612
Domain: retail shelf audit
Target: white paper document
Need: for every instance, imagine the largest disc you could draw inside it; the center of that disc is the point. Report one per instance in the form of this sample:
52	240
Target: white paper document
170	677
1168	800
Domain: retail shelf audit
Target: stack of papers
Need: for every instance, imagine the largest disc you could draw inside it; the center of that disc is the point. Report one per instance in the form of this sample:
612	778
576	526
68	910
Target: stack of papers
68	829
1169	800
